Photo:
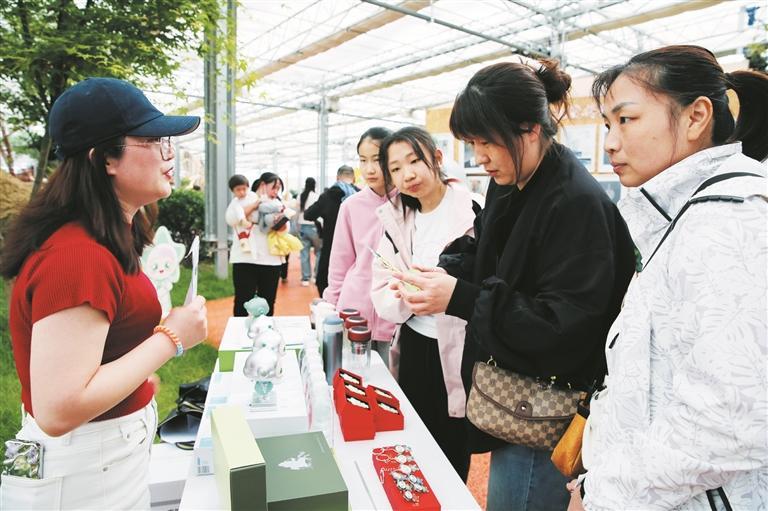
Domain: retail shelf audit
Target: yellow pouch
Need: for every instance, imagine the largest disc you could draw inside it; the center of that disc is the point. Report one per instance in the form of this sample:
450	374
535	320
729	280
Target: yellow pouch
283	243
567	453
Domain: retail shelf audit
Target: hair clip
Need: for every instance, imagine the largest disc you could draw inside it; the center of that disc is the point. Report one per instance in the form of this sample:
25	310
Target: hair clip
354	389
398	476
402	448
409	496
387	408
404	485
357	402
420	488
415	479
349	378
402	458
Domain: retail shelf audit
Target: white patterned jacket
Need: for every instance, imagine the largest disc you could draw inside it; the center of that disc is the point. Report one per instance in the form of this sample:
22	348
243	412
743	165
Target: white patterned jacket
685	408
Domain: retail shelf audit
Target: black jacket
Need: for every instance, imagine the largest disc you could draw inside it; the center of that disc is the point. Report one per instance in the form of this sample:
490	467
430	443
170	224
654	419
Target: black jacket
326	207
541	301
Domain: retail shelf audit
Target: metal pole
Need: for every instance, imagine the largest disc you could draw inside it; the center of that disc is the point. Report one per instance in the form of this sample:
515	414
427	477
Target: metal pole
219	134
322	142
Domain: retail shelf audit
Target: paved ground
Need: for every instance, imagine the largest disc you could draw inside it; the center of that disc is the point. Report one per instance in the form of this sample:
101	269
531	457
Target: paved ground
293	299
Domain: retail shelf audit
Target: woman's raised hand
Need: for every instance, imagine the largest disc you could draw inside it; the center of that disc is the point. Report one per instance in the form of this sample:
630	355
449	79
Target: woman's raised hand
190	322
435	289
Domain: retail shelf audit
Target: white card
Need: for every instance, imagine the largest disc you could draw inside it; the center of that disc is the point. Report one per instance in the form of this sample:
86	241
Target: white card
194	251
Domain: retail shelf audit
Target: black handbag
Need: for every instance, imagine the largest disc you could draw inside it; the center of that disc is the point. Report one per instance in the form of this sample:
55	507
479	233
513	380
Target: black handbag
182	423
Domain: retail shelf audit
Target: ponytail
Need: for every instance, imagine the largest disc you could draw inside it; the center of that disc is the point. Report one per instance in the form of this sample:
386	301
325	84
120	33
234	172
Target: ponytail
309	186
557	84
752	124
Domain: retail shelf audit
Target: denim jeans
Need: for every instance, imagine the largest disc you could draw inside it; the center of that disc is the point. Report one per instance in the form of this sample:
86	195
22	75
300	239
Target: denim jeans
524	479
309	238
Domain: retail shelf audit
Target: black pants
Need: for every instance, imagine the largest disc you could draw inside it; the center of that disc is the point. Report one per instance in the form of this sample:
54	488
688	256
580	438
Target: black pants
421	378
321	279
250	279
284	269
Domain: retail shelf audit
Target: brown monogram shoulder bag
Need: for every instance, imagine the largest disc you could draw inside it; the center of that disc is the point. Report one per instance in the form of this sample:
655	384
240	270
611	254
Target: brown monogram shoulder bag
519	409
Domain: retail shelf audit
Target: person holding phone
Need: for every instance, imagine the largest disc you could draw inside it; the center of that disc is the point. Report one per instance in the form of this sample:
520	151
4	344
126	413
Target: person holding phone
84	319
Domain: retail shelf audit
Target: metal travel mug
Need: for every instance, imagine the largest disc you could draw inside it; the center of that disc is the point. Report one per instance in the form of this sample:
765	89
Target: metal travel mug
332	345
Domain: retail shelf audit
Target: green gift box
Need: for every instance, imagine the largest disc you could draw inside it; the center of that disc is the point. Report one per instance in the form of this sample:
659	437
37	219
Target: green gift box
238	463
302	474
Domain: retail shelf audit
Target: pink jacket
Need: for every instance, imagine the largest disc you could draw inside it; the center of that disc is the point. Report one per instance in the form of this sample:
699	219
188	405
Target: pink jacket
450	330
349	269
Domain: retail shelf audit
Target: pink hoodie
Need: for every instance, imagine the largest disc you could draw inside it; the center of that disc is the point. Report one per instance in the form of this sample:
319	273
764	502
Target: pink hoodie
349	271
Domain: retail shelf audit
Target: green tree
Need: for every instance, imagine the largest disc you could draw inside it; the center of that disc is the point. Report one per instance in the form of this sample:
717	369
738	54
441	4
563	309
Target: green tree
47	45
183	214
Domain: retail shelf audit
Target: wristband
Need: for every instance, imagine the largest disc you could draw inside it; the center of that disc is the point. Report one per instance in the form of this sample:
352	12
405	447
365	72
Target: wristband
172	336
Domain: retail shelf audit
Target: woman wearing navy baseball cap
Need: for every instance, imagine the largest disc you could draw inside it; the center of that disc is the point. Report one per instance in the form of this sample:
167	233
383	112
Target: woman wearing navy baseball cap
84	319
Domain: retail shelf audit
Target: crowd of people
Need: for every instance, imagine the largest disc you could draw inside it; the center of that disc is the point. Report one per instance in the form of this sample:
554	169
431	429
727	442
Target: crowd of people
655	306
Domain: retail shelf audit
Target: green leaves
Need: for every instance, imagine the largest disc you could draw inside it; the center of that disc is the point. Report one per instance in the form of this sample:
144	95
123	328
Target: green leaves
48	45
183	214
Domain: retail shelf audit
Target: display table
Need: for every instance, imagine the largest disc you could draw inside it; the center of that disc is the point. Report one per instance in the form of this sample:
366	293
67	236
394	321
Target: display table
354	458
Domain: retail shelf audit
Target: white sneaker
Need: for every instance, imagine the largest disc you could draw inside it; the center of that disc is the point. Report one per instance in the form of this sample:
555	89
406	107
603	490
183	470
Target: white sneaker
304	283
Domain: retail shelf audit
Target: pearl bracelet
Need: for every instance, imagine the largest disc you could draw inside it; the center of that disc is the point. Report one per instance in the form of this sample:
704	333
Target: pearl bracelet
172	336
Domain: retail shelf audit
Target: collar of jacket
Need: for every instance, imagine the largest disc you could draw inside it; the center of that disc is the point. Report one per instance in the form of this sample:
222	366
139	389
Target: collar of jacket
399	226
648	210
370	197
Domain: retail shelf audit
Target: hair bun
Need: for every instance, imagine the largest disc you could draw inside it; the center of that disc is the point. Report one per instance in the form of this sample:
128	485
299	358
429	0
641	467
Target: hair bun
556	81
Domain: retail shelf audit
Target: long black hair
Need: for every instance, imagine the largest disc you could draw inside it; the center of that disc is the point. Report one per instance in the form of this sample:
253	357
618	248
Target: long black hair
503	101
686	72
80	190
309	186
422	144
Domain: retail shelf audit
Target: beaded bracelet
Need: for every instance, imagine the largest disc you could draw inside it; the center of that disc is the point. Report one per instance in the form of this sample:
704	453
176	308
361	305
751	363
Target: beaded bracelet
172	336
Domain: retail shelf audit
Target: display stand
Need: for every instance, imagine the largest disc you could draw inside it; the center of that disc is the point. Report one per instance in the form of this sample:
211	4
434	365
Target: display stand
354	459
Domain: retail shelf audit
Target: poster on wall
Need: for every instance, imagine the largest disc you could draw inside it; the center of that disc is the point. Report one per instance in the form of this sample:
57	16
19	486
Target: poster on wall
444	142
582	140
468	152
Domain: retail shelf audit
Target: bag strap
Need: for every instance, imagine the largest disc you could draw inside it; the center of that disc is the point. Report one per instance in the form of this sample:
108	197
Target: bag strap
723	498
697	200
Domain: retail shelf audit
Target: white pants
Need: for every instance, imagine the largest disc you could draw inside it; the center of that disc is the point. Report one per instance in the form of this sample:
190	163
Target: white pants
99	465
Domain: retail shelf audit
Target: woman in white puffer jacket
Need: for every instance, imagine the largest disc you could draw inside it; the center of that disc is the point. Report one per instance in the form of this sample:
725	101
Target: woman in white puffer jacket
682	420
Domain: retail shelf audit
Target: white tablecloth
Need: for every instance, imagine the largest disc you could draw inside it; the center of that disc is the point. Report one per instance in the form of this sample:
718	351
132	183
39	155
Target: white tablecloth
356	466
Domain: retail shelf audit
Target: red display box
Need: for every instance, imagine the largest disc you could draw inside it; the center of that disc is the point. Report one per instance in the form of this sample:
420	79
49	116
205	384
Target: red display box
377	393
343	388
341	378
385	416
385	464
355	417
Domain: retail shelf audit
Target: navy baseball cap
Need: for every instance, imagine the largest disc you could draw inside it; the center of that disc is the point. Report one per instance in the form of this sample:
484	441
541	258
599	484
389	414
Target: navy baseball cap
97	109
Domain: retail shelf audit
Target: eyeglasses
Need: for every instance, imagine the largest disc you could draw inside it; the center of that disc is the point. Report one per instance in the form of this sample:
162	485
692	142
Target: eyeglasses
166	147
